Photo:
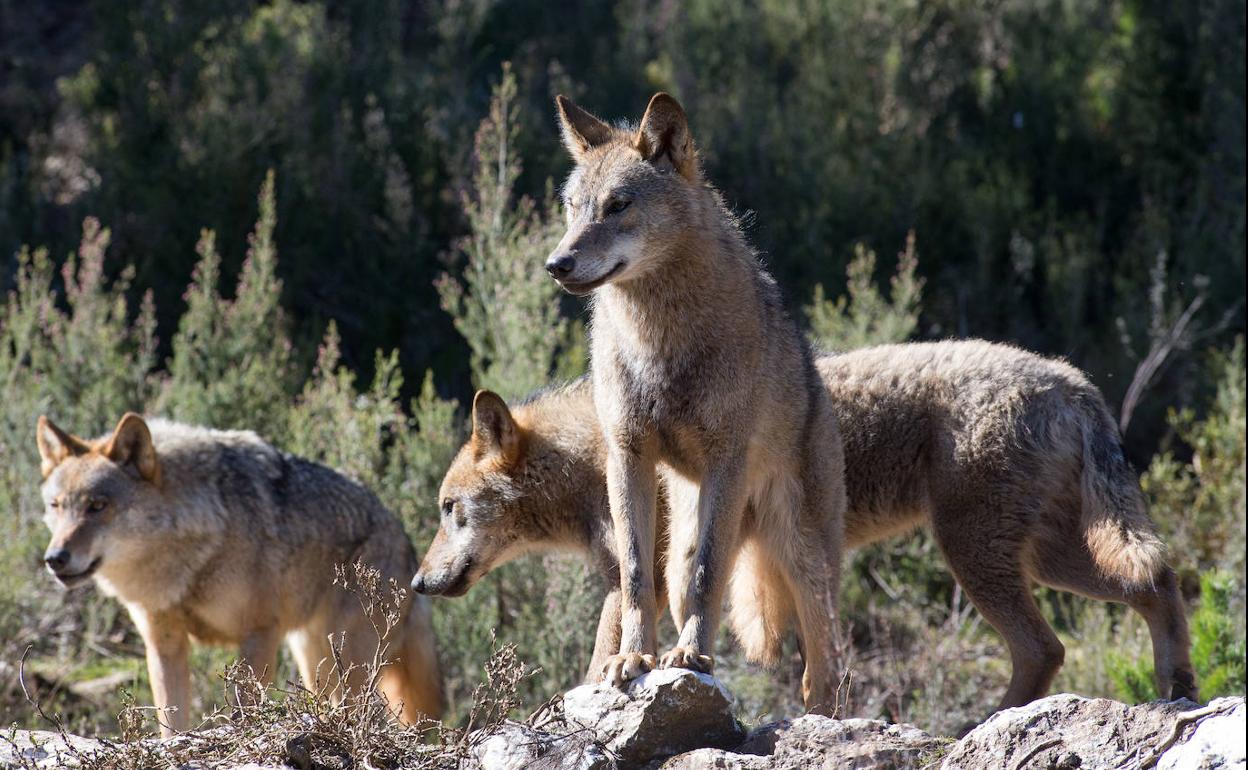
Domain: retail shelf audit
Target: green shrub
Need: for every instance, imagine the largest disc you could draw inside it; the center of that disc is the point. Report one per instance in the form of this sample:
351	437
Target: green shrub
505	305
865	316
1217	648
1217	639
232	359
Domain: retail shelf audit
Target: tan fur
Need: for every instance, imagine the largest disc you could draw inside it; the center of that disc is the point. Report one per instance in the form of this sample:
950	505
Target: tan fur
701	378
1004	433
217	536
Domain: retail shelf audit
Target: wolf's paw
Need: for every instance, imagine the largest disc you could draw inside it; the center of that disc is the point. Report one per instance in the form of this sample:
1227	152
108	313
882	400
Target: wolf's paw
687	657
621	669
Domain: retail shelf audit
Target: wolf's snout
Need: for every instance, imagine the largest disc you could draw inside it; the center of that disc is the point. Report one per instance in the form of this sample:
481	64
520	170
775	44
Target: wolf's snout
57	559
560	265
418	583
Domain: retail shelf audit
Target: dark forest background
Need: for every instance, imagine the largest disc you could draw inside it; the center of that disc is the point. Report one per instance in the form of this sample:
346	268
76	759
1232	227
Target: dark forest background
1049	155
1067	176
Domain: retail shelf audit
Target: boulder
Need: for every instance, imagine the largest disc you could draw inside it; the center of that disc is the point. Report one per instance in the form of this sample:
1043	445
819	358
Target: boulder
44	749
815	741
660	714
1063	732
514	746
1214	740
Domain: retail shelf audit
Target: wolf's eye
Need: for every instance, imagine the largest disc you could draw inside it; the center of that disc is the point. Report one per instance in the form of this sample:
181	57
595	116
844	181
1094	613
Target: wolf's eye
615	206
448	507
54	504
95	506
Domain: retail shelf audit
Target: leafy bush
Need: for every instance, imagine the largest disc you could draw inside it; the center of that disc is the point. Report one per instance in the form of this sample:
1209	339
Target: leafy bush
506	307
232	359
865	316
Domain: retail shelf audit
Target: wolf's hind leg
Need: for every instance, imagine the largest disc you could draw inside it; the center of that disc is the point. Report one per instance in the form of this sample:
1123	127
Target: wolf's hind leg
807	563
989	569
1068	566
412	680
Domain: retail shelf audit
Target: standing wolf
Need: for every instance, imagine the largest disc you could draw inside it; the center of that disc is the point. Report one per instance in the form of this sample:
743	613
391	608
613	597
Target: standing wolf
217	536
699	373
1013	460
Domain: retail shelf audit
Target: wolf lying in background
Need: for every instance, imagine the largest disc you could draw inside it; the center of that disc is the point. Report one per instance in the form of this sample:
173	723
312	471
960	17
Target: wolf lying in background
1012	459
217	536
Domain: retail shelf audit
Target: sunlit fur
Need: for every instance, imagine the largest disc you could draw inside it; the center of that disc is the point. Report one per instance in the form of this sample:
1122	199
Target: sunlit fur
1011	459
224	539
701	376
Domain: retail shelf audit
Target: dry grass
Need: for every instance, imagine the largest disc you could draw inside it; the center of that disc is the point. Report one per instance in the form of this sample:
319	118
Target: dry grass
318	727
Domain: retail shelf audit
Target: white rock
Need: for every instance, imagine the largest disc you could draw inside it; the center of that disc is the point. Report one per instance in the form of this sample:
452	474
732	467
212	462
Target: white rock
1217	742
516	747
660	714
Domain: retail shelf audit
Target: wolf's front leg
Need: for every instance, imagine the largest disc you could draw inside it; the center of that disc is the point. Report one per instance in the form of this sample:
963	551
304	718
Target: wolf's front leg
167	647
631	488
257	657
702	552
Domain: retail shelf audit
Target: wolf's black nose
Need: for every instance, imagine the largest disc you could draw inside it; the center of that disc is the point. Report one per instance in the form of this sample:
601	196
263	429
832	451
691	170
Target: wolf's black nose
560	265
56	560
418	583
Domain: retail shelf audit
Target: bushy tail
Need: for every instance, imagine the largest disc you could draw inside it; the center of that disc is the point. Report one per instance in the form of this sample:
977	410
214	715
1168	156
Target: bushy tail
761	607
1119	533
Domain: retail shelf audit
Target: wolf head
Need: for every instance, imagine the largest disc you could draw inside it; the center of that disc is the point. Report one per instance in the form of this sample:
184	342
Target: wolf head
521	483
481	525
630	197
89	488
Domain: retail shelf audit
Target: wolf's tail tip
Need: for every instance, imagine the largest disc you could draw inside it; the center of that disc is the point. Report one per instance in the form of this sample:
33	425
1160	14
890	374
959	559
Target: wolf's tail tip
1136	558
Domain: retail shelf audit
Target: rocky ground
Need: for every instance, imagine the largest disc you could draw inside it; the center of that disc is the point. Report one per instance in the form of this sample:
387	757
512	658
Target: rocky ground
679	720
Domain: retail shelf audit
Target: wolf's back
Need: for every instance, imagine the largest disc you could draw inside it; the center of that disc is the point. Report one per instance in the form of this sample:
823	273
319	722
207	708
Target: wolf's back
282	497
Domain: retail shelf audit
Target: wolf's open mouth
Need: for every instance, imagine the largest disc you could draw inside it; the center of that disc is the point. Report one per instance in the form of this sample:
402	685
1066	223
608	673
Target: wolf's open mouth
588	286
75	578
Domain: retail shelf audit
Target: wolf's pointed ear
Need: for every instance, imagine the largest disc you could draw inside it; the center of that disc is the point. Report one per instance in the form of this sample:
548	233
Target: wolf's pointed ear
581	131
55	445
663	136
131	444
493	428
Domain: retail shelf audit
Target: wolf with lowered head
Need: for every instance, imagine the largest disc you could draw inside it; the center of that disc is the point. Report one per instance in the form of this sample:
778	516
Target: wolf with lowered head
219	537
700	375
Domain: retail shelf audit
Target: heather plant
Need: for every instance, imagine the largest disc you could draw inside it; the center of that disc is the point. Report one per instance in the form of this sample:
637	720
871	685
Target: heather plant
1200	503
232	358
334	423
505	306
864	315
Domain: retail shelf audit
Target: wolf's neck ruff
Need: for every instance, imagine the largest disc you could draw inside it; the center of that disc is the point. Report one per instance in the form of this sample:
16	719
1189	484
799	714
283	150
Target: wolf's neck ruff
679	304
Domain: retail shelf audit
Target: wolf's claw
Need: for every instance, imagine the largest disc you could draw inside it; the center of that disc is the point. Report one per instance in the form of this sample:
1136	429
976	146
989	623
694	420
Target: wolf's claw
687	657
621	669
